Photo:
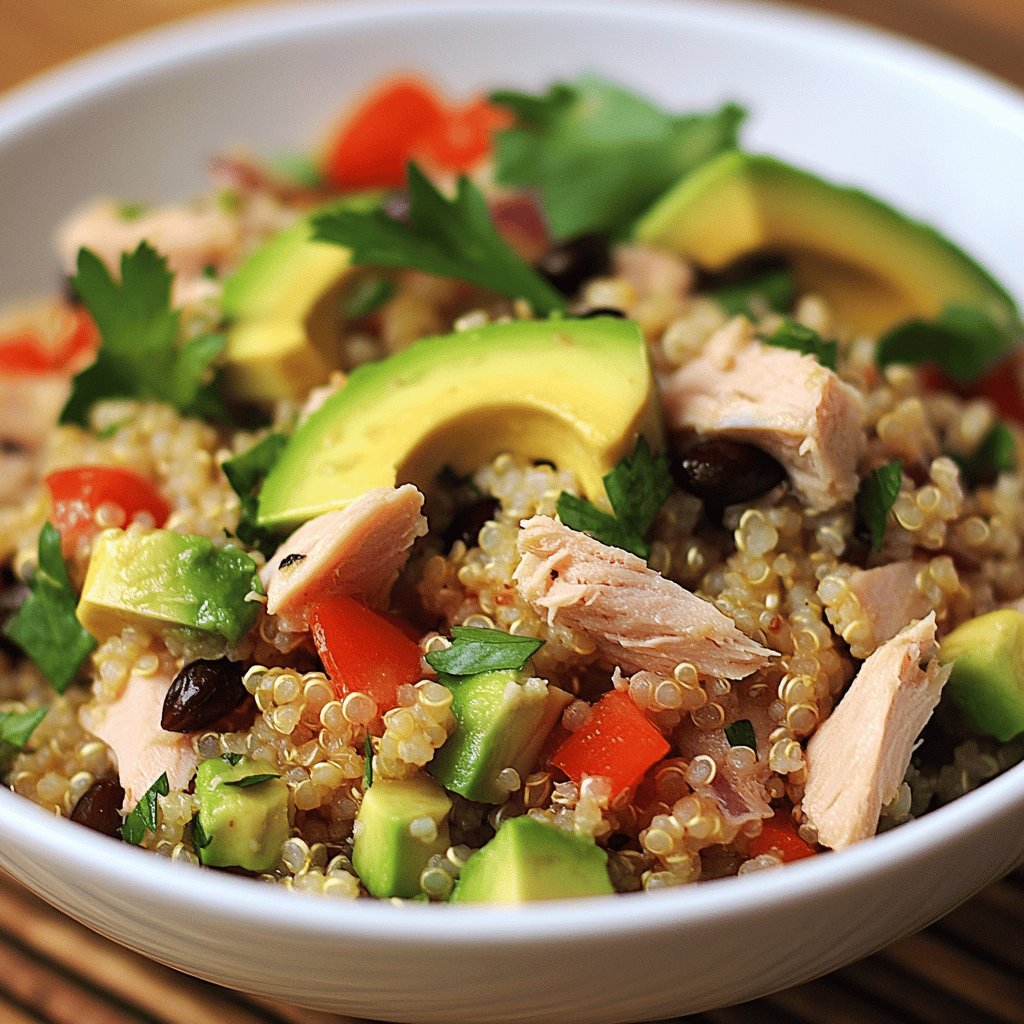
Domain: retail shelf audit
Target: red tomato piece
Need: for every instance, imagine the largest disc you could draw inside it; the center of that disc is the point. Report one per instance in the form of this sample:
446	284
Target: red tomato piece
778	835
29	352
362	651
616	740
465	136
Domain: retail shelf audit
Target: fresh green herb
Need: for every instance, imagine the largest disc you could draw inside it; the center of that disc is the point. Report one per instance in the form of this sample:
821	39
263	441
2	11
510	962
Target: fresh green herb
600	154
232	759
637	488
483	650
246	474
996	454
367	763
112	428
142	818
299	168
45	626
964	342
200	840
773	289
131	211
452	238
366	295
253	780
139	355
806	341
876	496
210	272
16	728
741	734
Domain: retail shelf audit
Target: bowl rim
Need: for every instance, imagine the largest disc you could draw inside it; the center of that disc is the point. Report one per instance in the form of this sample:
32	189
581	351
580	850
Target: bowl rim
112	68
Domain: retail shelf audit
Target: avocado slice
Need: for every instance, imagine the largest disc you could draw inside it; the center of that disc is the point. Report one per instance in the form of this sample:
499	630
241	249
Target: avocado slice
575	392
387	854
533	860
243	814
876	266
165	581
502	723
987	681
283	305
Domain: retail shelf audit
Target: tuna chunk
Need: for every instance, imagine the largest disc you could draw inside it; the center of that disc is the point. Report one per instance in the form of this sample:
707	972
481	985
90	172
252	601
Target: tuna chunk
638	619
131	728
858	757
29	407
783	402
358	551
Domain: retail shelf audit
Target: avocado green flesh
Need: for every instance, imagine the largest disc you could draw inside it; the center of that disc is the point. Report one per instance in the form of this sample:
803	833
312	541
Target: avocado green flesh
532	860
498	727
987	681
246	826
575	392
874	265
386	855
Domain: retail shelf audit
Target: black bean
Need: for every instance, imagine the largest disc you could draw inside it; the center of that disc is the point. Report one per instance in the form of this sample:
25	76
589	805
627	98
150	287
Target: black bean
468	522
99	807
203	692
602	311
567	265
290	560
722	472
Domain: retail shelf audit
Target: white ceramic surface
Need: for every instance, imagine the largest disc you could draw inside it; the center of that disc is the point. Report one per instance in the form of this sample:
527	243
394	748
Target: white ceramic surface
939	139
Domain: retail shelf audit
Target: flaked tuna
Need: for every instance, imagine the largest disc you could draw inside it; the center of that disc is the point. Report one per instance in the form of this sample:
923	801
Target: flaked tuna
783	402
638	619
858	757
357	551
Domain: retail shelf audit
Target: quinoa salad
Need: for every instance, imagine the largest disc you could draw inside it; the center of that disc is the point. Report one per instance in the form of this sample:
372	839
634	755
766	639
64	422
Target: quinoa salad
521	497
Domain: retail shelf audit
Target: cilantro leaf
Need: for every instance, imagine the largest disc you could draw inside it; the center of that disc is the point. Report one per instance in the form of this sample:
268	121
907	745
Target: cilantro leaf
875	497
452	238
139	355
741	734
200	840
806	341
483	650
772	289
246	474
367	294
45	626
232	759
142	818
600	154
996	454
367	763
637	488
16	728
964	342
253	780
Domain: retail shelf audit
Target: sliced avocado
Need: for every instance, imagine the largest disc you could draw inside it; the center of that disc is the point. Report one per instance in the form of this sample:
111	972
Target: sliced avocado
388	855
241	824
532	860
284	310
875	265
161	580
574	392
987	682
502	723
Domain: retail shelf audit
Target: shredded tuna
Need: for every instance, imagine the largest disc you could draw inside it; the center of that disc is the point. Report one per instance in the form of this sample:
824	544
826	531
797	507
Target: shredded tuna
783	402
652	272
889	598
858	757
638	619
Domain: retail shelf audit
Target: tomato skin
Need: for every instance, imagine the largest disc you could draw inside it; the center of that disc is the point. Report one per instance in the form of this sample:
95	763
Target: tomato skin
26	352
778	835
363	652
464	137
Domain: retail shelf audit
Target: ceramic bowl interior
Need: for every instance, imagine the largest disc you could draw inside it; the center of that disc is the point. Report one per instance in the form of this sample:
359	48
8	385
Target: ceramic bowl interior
940	140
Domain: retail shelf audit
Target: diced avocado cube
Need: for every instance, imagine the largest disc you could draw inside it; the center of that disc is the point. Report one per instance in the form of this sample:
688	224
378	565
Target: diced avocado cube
533	860
503	719
401	824
161	581
987	681
240	824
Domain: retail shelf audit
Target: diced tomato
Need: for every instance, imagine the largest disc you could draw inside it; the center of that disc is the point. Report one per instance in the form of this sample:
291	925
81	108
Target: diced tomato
778	835
29	352
1003	385
77	493
362	651
616	740
464	138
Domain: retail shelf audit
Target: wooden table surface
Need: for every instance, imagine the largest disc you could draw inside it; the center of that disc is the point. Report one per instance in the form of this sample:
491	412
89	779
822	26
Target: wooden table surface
968	969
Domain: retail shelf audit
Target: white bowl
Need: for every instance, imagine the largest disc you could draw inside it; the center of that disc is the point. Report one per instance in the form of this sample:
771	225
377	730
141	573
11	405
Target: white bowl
938	139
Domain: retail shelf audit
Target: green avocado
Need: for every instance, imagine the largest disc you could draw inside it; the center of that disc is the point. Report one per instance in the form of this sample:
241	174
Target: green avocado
502	723
876	266
574	392
241	825
533	860
388	854
987	681
165	581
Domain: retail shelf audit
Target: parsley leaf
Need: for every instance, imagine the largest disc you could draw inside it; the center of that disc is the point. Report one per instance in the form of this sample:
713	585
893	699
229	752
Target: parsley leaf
637	488
246	474
772	289
806	341
200	840
996	454
451	238
367	763
964	342
253	780
16	728
232	759
875	497
139	355
45	626
367	294
142	818
483	650
600	154
741	734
